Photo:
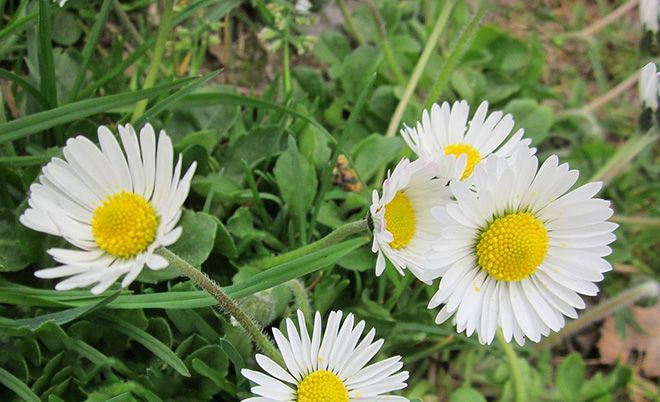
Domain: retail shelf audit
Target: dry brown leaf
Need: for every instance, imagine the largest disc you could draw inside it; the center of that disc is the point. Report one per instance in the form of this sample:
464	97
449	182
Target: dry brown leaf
612	347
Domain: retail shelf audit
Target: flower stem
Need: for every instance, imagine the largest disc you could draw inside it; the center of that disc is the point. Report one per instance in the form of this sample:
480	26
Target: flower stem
286	67
157	56
430	46
334	237
516	377
602	310
349	22
227	304
384	43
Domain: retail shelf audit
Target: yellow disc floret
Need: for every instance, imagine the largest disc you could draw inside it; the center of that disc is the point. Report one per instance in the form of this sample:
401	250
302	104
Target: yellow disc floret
400	220
473	156
124	225
322	386
512	246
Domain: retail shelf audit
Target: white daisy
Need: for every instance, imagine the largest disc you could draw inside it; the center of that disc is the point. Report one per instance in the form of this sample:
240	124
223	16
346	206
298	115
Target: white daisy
648	86
649	14
403	228
445	131
518	248
328	368
116	208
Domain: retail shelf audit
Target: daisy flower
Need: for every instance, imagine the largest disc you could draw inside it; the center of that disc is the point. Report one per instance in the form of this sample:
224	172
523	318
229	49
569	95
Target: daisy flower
519	247
446	132
116	207
648	86
331	367
403	228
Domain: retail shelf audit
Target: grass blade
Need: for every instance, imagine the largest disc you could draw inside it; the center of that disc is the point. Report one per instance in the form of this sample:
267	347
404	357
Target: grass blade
23	391
222	98
456	53
294	269
28	125
46	64
174	98
90	44
145	339
29	88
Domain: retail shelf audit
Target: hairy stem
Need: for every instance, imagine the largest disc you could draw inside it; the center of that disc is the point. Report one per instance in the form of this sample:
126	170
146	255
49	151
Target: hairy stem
384	43
225	302
512	359
349	23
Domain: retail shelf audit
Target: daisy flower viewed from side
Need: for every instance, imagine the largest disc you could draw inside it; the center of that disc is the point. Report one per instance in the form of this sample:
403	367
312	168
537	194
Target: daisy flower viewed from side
445	131
327	368
403	227
648	86
519	247
117	207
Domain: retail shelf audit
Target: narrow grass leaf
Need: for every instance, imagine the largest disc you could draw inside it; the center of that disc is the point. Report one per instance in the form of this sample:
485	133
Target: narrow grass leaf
29	88
155	346
17	386
46	64
25	126
456	53
90	44
174	98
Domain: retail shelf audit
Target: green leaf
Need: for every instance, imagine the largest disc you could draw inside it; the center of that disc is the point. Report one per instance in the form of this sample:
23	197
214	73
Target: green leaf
375	152
17	386
534	118
11	257
198	238
68	30
194	245
148	341
465	394
296	180
570	377
224	242
25	126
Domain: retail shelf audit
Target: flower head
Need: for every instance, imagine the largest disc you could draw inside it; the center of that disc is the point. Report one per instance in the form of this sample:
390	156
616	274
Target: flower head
648	86
519	247
115	206
445	131
403	228
328	367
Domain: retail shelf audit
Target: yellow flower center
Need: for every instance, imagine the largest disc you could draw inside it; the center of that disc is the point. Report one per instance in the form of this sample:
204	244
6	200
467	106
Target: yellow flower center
400	220
125	225
473	156
512	246
322	386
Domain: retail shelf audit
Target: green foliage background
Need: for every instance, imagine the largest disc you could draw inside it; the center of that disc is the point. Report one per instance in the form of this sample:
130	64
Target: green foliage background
265	183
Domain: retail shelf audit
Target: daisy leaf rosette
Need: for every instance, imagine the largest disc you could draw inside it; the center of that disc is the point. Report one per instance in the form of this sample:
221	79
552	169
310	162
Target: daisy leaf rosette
328	366
403	228
445	131
519	249
115	204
